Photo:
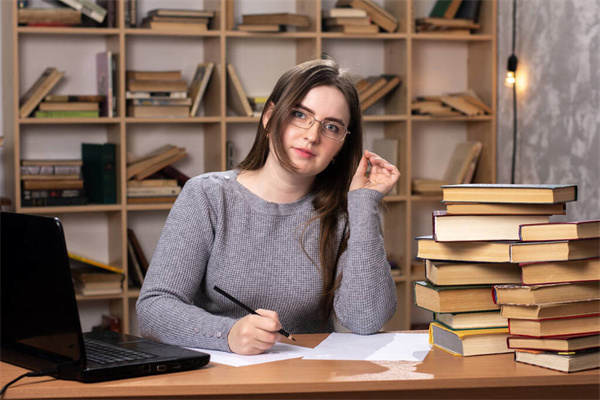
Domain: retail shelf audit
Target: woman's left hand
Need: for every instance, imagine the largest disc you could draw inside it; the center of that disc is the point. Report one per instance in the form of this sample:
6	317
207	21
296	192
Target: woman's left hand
382	177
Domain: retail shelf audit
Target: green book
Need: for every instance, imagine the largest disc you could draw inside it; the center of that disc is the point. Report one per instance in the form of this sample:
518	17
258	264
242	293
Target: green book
439	8
99	172
67	114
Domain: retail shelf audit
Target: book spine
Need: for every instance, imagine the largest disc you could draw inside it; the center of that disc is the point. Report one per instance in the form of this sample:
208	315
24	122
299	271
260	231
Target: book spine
67	114
51	202
50	169
53	194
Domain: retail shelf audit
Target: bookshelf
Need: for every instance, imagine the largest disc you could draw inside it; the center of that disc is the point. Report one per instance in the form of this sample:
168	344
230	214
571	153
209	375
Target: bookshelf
429	64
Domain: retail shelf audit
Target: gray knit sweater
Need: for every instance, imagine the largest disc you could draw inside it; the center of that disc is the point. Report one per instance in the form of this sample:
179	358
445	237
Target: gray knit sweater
220	233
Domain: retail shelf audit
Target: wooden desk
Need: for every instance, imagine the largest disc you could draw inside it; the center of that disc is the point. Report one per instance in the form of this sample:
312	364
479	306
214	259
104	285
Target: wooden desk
440	375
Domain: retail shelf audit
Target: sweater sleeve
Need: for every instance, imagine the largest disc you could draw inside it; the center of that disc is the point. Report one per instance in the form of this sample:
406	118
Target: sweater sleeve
165	307
366	298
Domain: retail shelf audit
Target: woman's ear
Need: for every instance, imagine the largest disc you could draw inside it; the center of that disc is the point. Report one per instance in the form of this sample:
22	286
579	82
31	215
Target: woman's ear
267	115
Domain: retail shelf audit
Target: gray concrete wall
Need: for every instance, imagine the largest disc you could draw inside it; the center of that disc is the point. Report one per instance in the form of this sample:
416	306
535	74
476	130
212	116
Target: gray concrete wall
558	46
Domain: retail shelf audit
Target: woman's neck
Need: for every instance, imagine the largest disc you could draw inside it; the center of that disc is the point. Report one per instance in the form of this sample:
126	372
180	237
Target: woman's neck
275	184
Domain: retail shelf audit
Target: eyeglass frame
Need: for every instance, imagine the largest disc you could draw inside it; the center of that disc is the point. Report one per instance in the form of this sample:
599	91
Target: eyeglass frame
346	131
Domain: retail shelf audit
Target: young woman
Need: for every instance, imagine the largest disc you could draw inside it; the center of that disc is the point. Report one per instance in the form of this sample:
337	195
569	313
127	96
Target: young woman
294	232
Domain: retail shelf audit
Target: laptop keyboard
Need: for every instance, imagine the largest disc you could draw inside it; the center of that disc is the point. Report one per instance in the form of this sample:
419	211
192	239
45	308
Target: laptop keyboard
102	353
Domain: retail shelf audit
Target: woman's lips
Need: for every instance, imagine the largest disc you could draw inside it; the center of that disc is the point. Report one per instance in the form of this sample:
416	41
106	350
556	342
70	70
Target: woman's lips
304	152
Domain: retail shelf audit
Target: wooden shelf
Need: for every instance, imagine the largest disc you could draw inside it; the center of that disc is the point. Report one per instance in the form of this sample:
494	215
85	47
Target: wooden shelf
416	57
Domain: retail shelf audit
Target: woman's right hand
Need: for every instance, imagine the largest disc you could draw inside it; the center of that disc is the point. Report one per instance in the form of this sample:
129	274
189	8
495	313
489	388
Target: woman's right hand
255	334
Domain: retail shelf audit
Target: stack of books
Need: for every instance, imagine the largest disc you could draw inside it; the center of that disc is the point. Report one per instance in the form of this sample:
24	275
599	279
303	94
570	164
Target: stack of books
70	106
178	20
273	22
374	88
378	15
94	278
157	94
554	313
51	183
450	105
143	186
348	20
451	17
470	252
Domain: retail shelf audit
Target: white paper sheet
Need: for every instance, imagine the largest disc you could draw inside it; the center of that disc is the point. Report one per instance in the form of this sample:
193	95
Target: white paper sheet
281	351
378	347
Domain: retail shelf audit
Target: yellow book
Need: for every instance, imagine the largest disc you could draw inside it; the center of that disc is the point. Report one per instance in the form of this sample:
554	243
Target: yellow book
95	263
469	342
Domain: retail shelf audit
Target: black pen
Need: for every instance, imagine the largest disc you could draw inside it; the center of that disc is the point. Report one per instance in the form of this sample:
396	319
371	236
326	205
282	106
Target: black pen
251	311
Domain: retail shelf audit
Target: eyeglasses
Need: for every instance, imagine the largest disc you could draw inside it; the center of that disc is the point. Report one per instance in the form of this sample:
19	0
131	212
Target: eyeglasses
330	129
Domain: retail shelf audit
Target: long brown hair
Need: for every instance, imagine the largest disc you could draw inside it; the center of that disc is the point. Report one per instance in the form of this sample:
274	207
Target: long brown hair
331	185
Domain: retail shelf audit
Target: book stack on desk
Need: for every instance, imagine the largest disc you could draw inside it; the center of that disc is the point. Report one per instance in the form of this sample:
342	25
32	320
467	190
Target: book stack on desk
554	314
470	252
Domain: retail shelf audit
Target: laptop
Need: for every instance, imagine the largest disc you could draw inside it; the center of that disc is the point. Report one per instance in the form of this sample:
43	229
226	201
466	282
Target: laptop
40	327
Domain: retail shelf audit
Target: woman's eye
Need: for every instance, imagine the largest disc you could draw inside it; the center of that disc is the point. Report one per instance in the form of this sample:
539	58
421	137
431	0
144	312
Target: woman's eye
298	114
333	128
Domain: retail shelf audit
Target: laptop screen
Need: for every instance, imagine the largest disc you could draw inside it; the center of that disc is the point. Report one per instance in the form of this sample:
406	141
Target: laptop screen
40	323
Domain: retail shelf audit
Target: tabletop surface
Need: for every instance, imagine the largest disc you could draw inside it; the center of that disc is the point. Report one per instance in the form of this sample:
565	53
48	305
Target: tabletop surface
439	370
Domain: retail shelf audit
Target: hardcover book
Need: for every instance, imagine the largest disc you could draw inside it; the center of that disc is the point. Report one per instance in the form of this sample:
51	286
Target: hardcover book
471	320
506	209
469	342
339	12
105	83
199	85
391	82
463	251
292	19
40	88
507	193
564	250
454	299
560	271
573	362
470	273
539	294
560	231
236	95
461	228
77	258
88	8
100	172
378	14
550	310
556	343
583	324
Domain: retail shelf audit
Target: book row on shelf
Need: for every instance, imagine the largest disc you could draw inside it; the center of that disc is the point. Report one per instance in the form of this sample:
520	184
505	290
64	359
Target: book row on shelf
160	93
347	16
166	94
92	179
502	278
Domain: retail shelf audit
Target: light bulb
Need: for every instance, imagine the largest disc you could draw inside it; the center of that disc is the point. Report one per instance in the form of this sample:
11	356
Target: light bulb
510	78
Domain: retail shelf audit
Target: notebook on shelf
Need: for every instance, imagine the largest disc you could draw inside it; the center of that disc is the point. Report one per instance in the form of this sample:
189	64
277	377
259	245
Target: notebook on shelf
40	321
